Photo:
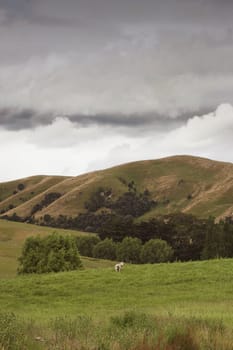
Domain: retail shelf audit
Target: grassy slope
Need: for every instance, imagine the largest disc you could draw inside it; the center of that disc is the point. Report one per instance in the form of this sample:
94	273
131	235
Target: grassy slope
12	236
34	186
209	182
194	289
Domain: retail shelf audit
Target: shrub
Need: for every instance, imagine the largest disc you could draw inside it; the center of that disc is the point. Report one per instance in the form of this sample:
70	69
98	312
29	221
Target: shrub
156	251
53	253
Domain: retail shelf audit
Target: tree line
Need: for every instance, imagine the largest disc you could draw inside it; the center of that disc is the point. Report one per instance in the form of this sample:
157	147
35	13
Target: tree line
130	250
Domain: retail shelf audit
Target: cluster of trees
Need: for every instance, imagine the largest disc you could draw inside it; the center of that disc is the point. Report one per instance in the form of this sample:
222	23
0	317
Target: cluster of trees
130	250
173	237
98	199
129	203
46	201
191	238
52	253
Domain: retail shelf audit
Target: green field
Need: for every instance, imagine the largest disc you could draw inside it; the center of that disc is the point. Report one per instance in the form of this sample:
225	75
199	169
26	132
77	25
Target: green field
173	306
197	293
202	289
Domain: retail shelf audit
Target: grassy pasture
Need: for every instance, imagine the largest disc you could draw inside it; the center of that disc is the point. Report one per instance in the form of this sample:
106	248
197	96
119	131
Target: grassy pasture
186	306
200	289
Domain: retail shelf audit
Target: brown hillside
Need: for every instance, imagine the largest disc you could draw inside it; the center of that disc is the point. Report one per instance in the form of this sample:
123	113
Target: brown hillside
181	183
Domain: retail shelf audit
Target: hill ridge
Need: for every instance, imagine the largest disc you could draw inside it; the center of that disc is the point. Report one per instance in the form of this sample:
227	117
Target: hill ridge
190	184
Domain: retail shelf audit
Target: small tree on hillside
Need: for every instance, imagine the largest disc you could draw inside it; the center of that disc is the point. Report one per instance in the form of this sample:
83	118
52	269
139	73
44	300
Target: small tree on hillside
53	253
129	250
21	187
156	251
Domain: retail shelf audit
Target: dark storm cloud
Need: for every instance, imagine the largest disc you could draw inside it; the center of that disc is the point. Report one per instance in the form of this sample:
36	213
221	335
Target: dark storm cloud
129	9
169	50
13	119
25	11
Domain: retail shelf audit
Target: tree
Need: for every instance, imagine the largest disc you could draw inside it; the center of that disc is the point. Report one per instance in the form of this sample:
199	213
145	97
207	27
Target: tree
86	244
129	250
156	251
21	187
105	249
53	253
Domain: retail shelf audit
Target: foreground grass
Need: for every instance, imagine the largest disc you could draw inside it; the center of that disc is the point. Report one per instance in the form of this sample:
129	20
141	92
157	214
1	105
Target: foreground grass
129	331
146	307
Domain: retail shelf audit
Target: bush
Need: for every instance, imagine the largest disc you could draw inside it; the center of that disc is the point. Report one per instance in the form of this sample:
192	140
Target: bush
105	249
156	251
53	253
86	244
129	250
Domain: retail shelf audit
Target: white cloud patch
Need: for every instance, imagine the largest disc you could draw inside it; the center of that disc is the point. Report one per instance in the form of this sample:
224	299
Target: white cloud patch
68	149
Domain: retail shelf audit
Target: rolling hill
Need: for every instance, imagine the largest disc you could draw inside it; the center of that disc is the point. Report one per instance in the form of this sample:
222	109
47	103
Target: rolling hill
188	184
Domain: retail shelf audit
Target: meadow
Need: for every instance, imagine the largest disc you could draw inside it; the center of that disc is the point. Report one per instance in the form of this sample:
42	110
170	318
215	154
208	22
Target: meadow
196	297
172	306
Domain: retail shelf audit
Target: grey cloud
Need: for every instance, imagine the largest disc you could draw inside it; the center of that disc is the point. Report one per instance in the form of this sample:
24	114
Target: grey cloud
14	119
92	11
169	52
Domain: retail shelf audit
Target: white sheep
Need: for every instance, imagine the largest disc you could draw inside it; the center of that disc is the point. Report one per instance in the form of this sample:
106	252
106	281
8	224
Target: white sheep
119	266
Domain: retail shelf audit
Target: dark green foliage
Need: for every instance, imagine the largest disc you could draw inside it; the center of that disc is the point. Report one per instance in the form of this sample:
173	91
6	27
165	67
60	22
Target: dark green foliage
47	218
48	199
21	187
156	251
129	250
130	203
85	244
133	204
218	240
186	234
132	186
105	249
98	199
53	253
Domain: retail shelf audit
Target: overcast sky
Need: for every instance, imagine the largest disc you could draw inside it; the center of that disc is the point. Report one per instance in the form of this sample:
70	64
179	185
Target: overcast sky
87	84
